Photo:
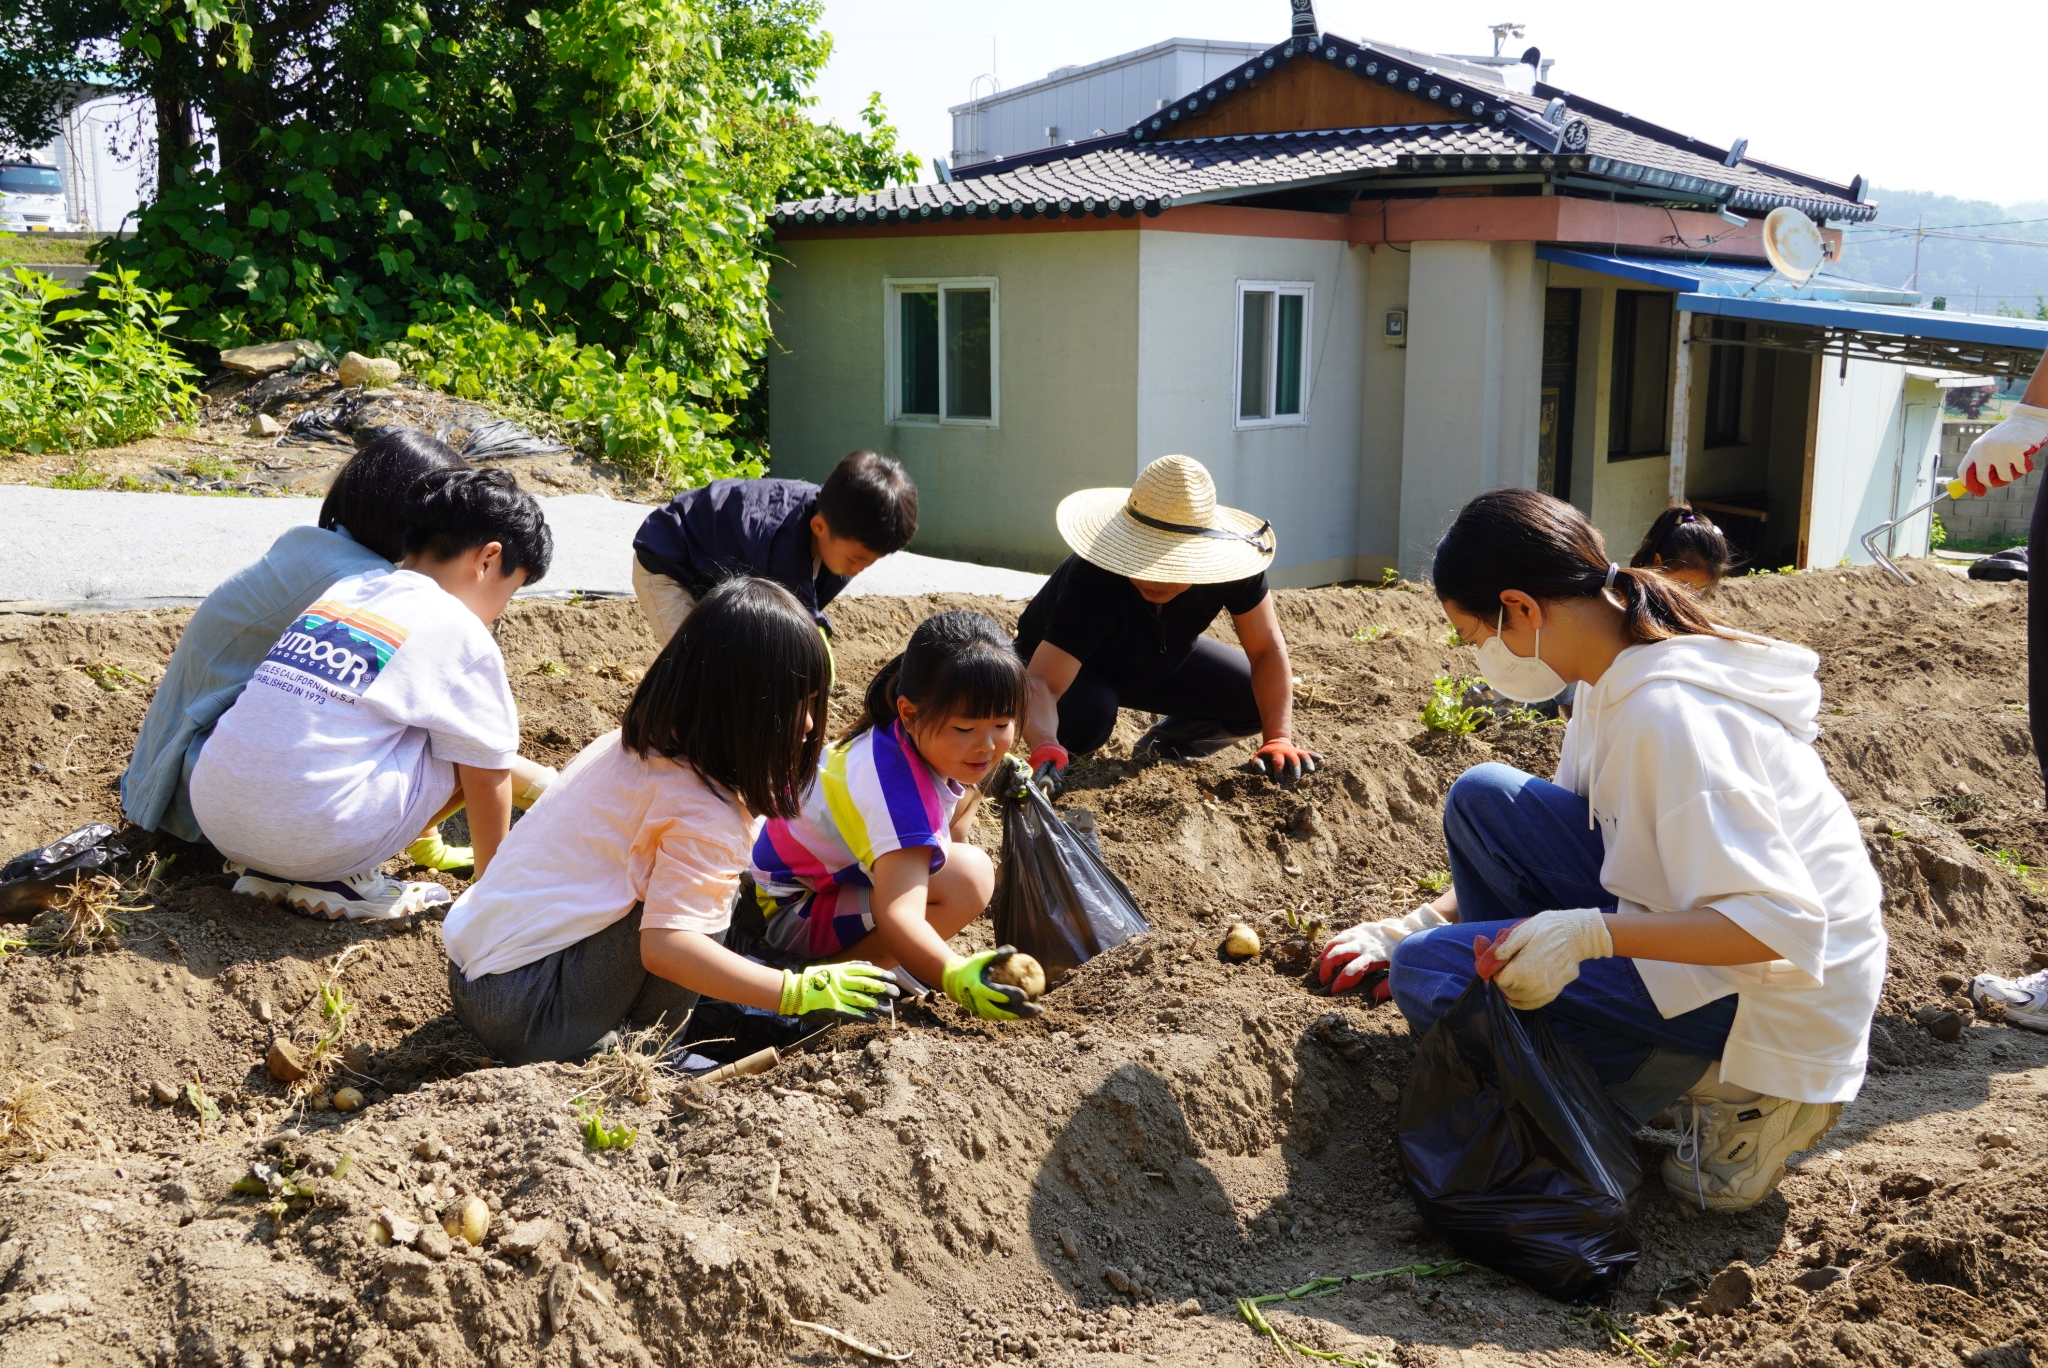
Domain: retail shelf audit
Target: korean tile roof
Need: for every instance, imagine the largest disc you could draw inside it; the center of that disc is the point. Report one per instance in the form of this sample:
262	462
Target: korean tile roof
1584	146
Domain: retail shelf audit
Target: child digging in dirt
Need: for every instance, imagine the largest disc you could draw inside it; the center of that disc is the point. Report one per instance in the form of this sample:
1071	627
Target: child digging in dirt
604	907
1686	547
878	865
810	539
361	528
1690	903
383	711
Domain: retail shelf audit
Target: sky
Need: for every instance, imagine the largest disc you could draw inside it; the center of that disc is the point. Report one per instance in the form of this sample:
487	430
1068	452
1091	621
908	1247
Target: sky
1949	98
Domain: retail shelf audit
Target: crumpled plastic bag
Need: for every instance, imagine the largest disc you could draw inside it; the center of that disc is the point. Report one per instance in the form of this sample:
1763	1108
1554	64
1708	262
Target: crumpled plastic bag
1055	899
1516	1154
32	881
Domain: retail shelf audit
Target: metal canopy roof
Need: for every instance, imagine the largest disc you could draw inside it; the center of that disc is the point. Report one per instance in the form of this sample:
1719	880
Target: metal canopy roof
1830	315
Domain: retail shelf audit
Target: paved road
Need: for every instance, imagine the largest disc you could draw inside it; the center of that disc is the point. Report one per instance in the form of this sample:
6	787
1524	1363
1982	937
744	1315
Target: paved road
92	549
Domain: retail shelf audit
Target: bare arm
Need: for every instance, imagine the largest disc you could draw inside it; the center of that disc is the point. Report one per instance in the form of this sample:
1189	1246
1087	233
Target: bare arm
1050	675
1272	675
695	960
1701	936
2037	388
961	830
902	881
487	793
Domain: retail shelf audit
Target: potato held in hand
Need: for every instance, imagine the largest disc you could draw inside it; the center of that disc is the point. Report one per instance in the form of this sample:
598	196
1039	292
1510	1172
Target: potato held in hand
1241	942
1019	971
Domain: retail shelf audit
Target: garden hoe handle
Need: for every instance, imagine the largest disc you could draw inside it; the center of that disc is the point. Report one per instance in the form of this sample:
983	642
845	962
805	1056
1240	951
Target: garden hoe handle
1954	489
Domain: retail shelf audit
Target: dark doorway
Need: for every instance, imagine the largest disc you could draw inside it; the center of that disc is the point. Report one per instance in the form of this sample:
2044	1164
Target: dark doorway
1560	386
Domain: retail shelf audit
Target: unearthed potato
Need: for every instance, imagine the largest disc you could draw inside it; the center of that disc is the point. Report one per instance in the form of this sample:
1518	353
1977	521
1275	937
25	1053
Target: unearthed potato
469	1219
1020	971
348	1099
285	1062
1240	942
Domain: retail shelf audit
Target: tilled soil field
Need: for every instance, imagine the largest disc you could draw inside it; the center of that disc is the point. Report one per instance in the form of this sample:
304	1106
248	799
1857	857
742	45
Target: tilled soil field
1096	1186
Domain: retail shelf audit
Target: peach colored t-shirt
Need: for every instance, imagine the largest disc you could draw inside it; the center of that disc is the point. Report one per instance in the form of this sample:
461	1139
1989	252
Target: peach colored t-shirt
614	830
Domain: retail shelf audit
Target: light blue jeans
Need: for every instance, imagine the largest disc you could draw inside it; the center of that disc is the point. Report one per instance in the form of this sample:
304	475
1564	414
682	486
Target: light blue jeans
1521	845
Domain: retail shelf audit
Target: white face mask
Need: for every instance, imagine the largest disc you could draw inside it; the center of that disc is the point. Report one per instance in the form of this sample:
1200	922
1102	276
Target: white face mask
1525	679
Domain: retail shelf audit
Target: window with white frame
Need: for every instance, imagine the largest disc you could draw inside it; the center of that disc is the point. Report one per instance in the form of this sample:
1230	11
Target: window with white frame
941	340
1272	352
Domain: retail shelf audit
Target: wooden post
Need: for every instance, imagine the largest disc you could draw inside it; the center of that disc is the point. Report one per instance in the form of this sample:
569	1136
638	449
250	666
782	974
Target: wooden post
1681	409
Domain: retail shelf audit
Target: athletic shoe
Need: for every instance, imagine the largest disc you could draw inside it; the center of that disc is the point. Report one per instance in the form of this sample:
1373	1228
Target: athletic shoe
374	896
431	852
1734	1144
2025	999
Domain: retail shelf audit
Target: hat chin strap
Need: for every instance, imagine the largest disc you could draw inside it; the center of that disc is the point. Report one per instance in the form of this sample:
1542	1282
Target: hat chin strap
1261	539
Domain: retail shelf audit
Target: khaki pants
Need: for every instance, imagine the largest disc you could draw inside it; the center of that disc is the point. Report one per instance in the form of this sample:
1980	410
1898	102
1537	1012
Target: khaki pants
662	601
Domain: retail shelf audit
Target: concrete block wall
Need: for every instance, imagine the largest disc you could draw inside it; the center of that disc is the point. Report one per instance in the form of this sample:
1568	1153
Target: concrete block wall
2006	512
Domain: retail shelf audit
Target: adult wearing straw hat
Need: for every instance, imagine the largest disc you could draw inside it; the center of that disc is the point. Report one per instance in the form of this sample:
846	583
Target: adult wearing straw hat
1119	625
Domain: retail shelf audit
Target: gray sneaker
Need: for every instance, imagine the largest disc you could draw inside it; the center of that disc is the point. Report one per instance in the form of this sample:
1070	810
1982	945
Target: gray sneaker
2025	999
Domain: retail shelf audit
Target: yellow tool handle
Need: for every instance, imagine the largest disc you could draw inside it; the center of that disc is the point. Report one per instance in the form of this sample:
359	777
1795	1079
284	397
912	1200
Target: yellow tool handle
1958	490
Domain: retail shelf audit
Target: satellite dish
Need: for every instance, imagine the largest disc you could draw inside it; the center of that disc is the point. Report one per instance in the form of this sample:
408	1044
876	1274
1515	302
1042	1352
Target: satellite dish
1793	244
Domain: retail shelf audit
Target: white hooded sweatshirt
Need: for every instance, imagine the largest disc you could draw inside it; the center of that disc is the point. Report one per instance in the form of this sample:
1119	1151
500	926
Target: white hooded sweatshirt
1696	758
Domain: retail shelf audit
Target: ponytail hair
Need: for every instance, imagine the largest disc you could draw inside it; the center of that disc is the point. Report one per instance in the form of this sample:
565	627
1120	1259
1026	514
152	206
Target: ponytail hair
1683	540
958	664
1544	547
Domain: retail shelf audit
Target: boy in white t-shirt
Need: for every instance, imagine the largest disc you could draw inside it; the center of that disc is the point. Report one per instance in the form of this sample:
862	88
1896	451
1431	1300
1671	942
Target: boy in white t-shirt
383	710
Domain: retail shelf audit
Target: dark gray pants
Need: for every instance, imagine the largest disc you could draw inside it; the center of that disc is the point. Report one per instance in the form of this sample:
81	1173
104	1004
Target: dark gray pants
562	1007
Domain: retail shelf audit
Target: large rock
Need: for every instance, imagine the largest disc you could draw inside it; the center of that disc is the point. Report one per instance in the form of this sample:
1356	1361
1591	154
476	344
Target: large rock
266	357
369	372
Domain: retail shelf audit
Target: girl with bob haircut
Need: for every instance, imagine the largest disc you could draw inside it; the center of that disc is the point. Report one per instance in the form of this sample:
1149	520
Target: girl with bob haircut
1689	901
605	907
1686	547
877	863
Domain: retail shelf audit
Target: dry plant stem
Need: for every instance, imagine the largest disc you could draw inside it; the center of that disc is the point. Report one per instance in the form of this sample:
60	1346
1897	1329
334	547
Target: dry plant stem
31	1109
323	1057
841	1337
631	1068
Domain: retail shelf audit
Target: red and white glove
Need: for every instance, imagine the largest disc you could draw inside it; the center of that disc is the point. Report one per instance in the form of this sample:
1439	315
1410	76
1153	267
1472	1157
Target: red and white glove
1353	954
1537	959
1280	759
1049	768
2006	453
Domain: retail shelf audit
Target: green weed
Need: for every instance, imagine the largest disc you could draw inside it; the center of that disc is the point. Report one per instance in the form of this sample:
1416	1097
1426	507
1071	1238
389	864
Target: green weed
87	376
551	669
1446	710
2010	863
1248	1308
80	474
110	677
1451	638
213	468
1370	633
598	1136
1434	883
1389	577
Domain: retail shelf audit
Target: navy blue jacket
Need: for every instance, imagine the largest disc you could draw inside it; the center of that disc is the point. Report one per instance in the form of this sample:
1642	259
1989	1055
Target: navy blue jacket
739	527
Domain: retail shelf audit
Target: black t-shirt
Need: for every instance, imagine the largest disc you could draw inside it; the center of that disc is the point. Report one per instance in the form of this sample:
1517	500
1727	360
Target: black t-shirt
1099	618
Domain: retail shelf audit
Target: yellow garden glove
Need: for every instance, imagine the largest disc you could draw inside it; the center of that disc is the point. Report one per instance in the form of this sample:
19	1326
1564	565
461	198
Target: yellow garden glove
855	989
966	983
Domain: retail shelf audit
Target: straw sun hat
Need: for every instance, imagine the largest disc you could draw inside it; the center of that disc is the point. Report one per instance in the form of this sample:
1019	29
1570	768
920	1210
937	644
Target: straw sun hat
1167	529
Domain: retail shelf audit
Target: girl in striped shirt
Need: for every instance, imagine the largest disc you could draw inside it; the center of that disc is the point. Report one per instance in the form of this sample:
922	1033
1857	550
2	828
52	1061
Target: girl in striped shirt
878	866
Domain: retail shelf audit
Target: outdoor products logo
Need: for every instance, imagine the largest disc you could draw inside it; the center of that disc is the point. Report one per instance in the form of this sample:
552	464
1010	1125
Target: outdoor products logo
337	646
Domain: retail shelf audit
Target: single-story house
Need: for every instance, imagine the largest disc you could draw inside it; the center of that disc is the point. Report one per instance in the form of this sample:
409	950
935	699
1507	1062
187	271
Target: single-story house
1362	285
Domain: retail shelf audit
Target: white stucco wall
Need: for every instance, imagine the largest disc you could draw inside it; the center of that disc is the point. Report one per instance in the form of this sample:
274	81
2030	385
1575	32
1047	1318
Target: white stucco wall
1873	421
1475	346
1303	479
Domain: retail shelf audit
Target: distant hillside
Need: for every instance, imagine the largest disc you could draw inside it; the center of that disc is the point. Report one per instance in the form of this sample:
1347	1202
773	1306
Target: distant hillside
1977	276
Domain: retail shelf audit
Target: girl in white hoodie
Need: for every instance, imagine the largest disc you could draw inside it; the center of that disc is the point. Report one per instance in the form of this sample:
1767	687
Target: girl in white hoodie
1690	901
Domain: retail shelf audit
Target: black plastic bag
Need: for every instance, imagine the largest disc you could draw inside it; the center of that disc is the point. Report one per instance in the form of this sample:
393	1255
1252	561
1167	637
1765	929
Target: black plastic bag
1055	899
30	882
2005	565
1515	1152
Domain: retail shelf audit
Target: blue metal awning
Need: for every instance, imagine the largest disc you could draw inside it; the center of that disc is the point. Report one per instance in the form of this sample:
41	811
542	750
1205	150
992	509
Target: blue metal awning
1830	315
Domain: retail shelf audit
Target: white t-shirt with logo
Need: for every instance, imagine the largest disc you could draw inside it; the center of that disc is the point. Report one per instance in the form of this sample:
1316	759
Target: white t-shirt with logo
344	744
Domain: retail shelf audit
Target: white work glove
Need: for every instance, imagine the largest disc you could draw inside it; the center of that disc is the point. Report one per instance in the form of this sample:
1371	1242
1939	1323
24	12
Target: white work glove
2005	454
1538	958
1353	954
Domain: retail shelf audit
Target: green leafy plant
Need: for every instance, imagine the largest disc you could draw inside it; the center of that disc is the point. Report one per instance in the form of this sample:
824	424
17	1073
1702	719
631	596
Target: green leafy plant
1370	633
1446	711
1434	883
113	678
598	1136
1389	577
2010	863
1248	1308
82	473
85	376
1451	638
209	467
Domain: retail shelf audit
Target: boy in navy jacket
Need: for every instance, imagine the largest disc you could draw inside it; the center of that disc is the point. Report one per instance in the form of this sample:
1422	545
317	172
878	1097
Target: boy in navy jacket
810	539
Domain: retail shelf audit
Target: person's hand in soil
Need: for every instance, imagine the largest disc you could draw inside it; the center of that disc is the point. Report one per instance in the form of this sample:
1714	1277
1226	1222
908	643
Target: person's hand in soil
966	982
854	988
2005	454
1369	947
1283	761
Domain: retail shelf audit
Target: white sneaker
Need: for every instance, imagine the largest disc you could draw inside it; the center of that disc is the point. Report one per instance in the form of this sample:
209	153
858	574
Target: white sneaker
2025	999
1735	1144
372	896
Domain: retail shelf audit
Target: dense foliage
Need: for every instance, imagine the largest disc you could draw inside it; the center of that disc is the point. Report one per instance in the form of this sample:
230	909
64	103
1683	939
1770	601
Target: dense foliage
593	177
86	376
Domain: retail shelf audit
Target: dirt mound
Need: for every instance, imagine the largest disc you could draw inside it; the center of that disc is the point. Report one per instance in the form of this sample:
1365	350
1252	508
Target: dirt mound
1175	1132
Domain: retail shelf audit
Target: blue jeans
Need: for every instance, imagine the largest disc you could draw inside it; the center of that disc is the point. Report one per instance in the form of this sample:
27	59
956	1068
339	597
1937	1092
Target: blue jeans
1521	845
